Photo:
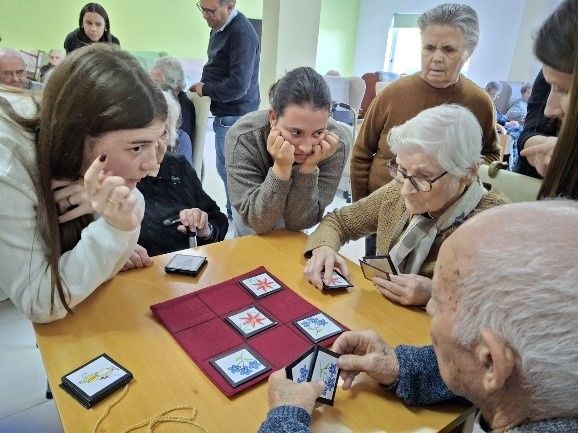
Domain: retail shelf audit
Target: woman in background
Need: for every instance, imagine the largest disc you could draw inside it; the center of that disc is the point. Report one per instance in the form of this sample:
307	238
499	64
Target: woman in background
93	26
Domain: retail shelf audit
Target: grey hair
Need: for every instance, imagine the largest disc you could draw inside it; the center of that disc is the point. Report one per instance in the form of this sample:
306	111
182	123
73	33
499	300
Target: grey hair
224	2
532	302
449	133
462	16
11	53
173	74
173	118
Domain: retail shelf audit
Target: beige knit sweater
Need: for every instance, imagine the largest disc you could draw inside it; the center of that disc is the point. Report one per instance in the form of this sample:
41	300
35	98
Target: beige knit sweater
383	212
259	196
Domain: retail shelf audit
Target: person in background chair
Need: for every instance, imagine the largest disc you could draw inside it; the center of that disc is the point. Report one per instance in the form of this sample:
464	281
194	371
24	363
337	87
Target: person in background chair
493	89
519	108
54	59
169	73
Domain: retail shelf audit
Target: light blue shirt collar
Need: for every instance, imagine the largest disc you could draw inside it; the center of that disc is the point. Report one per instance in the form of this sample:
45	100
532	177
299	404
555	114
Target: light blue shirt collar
233	15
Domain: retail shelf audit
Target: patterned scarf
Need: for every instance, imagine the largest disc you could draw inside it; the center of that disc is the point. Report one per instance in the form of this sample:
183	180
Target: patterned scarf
414	244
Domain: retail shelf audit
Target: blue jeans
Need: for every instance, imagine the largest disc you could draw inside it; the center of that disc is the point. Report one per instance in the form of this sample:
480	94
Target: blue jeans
221	125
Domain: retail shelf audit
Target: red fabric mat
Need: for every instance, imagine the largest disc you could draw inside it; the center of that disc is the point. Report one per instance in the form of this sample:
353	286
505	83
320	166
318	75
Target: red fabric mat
197	322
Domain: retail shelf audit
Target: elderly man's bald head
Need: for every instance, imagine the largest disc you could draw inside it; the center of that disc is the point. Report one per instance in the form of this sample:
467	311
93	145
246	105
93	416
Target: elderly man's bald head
512	271
538	223
12	68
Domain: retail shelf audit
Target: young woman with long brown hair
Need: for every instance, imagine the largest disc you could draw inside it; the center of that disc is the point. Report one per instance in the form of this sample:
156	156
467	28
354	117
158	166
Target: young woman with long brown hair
91	138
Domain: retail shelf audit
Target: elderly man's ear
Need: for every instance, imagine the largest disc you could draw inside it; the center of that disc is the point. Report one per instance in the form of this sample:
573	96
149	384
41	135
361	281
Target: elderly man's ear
497	358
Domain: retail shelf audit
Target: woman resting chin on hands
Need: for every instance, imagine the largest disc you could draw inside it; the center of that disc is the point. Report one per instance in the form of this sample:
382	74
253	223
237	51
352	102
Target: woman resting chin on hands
435	188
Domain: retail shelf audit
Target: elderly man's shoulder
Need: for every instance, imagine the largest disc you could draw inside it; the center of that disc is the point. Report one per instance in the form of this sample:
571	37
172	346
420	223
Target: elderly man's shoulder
552	425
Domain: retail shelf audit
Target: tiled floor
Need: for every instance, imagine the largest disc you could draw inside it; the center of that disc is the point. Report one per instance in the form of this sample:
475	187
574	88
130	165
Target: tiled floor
23	406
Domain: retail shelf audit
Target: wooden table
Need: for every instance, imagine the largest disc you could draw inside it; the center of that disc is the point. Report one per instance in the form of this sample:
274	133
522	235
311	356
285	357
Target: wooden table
116	319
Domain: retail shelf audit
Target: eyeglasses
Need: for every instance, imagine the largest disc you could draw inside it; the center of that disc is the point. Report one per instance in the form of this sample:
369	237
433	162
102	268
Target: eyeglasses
207	12
419	183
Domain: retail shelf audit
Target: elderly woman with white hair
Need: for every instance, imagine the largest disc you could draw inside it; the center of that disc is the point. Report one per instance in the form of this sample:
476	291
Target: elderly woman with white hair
435	188
169	73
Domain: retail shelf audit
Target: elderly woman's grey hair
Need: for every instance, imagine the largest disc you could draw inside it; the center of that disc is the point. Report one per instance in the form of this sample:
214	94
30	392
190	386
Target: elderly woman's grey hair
462	16
449	133
173	118
173	76
532	305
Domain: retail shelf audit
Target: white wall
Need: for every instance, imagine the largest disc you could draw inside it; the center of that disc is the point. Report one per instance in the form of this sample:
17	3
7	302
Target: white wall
524	64
502	37
290	34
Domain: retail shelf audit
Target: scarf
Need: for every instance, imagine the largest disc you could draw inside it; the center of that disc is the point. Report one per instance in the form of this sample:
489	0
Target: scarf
414	244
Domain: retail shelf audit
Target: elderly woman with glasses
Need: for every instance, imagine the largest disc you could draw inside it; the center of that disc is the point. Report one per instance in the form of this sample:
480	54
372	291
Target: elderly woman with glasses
435	188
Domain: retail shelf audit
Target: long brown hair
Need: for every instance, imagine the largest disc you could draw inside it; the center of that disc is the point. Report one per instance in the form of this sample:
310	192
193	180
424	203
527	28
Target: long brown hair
556	45
556	38
96	89
561	178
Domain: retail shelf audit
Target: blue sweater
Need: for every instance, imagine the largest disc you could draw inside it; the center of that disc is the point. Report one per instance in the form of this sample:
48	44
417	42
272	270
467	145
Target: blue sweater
231	74
419	383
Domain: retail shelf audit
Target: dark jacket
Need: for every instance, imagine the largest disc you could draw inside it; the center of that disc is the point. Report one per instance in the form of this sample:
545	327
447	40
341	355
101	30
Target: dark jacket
536	123
230	76
175	188
78	39
188	115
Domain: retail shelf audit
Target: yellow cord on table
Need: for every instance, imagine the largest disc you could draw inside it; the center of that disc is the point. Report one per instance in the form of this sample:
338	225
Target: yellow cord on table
151	423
